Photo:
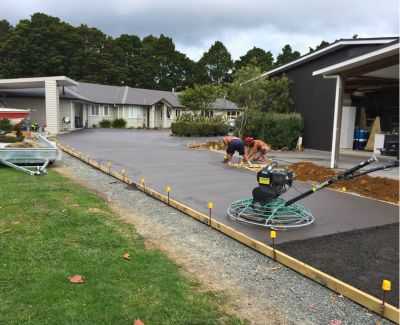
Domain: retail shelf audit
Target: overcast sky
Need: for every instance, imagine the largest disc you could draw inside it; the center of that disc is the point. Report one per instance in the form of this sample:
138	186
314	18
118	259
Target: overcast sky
195	25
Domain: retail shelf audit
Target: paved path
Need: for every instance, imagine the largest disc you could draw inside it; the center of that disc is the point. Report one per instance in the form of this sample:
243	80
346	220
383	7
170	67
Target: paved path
198	177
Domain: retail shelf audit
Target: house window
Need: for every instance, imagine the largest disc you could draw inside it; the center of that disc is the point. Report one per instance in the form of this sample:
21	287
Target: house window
134	112
168	113
208	113
105	110
177	112
161	112
232	114
94	110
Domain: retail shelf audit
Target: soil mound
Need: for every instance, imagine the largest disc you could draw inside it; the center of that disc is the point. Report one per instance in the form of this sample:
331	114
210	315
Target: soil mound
380	188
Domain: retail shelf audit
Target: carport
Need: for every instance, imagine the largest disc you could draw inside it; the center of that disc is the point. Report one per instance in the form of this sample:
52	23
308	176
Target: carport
376	74
52	97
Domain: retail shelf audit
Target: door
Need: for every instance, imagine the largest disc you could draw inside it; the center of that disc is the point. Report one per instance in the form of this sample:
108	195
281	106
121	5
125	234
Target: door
78	115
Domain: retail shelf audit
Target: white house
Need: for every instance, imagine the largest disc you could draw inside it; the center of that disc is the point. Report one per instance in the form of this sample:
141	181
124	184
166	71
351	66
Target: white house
62	104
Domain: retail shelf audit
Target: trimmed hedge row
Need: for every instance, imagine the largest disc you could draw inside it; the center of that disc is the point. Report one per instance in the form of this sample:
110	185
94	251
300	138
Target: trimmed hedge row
198	129
278	130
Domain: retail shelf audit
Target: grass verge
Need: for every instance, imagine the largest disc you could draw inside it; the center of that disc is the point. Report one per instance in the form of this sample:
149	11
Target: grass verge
51	229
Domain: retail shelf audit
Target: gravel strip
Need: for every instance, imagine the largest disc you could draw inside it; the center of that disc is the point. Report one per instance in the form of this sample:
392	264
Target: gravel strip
259	289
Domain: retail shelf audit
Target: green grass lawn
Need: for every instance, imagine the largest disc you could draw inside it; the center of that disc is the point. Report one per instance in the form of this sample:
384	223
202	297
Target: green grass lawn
51	229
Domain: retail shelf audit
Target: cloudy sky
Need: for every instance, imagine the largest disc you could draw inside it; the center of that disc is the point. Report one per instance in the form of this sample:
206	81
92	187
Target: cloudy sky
195	25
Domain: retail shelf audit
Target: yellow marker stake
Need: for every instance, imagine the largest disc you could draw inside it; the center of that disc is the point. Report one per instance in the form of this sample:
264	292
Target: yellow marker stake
210	206
143	184
344	189
314	189
109	167
123	174
386	286
88	158
168	191
272	235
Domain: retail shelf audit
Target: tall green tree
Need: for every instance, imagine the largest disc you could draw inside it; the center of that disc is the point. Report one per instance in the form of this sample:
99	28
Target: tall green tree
5	30
287	55
200	98
215	66
256	57
277	96
161	66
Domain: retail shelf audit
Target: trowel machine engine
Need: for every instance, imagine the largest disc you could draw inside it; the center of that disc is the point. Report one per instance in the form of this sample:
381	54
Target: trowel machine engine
272	183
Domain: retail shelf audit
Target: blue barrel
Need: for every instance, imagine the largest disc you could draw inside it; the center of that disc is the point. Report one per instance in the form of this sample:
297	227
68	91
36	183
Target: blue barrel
356	138
363	139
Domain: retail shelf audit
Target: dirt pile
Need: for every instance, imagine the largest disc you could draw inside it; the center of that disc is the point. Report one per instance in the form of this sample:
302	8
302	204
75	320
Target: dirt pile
26	143
380	188
209	145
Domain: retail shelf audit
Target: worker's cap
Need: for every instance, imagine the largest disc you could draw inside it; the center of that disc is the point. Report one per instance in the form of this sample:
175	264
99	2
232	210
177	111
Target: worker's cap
248	140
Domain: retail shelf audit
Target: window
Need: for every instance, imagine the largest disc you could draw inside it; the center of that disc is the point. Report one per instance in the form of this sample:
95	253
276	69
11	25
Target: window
134	112
105	110
232	114
94	110
177	112
208	113
168	113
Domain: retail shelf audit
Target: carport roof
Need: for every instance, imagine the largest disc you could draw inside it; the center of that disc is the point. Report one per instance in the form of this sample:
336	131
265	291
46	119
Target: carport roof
37	82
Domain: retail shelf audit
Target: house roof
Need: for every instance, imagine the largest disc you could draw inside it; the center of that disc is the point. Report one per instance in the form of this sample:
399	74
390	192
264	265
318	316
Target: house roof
36	82
118	95
330	48
387	51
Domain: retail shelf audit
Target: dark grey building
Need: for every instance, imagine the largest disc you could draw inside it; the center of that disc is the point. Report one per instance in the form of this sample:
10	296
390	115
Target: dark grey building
315	95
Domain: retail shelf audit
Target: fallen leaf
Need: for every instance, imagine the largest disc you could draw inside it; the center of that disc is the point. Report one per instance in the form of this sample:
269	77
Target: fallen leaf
341	296
312	306
16	222
7	231
333	298
76	279
138	322
127	256
335	322
94	210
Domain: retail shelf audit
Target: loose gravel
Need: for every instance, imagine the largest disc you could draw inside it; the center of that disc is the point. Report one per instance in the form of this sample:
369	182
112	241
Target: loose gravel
258	288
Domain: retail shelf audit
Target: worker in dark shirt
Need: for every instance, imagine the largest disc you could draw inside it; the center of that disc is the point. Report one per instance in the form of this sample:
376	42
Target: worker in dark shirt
233	144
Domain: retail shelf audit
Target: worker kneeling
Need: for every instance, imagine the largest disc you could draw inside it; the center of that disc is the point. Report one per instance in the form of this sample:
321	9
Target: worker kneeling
257	149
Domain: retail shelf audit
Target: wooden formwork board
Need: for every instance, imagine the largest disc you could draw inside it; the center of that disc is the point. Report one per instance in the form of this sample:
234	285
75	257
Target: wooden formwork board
374	304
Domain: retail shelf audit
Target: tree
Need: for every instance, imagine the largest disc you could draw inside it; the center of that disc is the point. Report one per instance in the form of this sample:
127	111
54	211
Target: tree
248	91
200	98
215	65
320	46
277	96
256	57
161	66
286	56
5	30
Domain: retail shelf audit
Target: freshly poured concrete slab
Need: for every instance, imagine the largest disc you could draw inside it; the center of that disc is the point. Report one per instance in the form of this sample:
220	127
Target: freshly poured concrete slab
199	177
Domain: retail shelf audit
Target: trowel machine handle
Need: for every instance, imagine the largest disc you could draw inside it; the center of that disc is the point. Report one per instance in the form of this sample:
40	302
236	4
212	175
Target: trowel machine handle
347	174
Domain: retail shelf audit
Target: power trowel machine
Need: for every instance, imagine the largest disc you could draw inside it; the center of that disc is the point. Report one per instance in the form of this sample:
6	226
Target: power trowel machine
267	208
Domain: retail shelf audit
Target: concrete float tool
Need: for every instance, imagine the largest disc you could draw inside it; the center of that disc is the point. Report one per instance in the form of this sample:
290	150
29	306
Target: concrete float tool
267	209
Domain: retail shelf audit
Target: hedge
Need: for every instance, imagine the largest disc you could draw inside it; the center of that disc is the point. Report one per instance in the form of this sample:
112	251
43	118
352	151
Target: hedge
198	129
278	130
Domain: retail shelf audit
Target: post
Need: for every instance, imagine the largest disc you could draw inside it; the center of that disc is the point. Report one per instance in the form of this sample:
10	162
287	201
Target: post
109	167
386	286
210	206
272	235
143	184
168	191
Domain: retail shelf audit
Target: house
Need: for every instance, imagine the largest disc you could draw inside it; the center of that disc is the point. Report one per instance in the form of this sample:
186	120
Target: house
62	104
358	73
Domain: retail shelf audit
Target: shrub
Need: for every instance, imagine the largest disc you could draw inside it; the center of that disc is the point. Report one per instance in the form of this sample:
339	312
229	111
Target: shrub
105	123
278	130
119	123
202	129
7	139
94	125
5	125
